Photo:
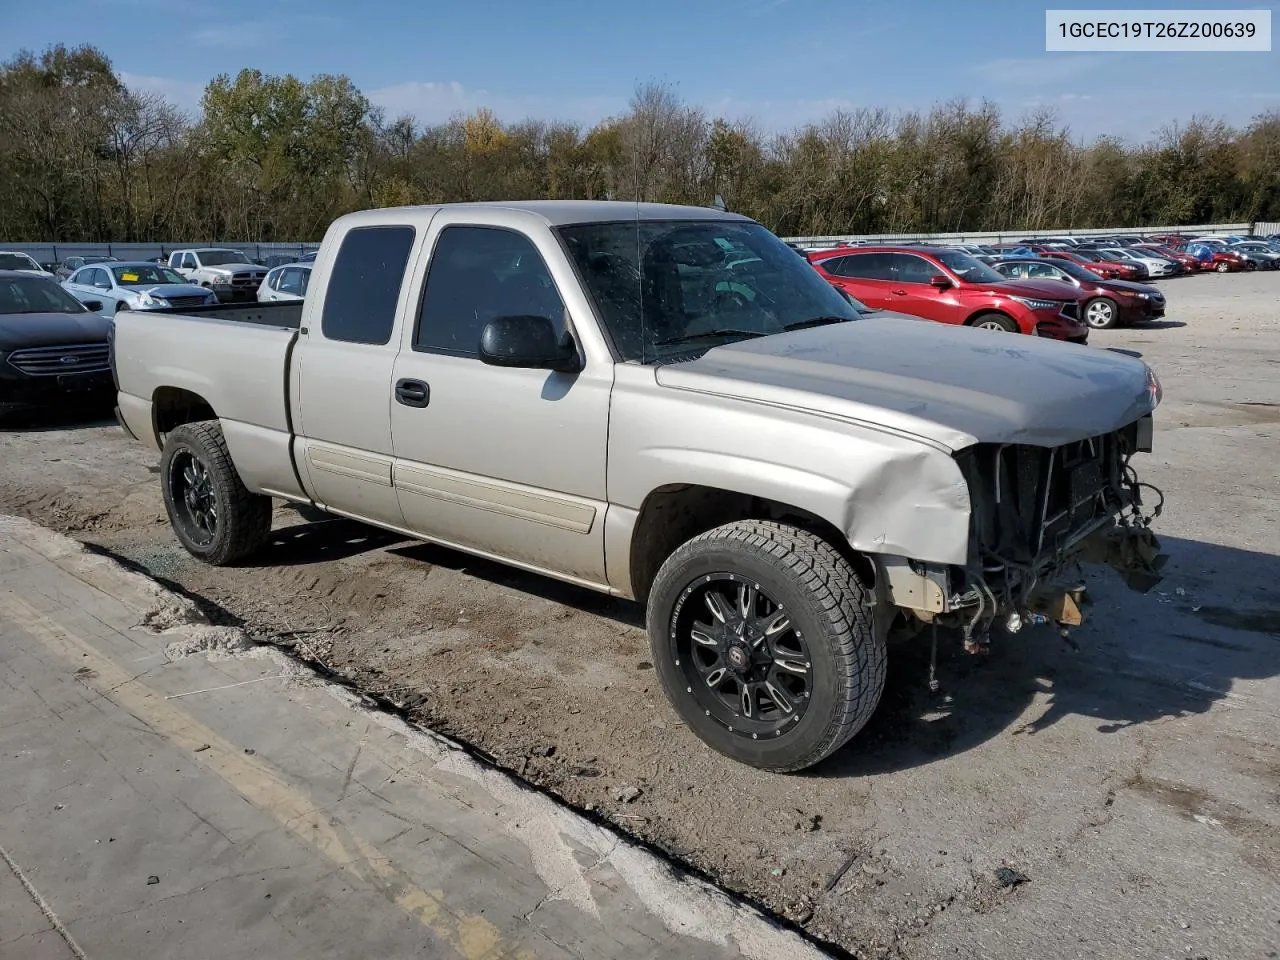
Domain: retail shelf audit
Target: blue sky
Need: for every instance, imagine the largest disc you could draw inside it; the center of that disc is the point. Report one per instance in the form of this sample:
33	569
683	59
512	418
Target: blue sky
781	62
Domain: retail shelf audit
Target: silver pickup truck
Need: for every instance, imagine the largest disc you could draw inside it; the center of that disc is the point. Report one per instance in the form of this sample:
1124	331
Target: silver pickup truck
667	404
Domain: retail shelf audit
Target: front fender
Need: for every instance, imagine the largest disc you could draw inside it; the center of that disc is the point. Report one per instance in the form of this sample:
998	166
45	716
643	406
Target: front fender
887	493
901	502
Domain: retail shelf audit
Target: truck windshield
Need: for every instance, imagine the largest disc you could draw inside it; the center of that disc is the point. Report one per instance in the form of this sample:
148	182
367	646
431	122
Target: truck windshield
667	288
214	258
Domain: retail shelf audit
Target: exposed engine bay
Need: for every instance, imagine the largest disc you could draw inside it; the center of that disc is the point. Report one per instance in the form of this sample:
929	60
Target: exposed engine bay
1037	513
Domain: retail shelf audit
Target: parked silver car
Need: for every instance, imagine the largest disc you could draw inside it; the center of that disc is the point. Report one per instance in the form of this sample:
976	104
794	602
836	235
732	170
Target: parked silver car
286	282
70	265
135	285
16	260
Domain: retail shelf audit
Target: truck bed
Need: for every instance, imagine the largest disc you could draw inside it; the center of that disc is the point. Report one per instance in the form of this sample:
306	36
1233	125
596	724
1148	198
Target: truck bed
232	359
282	313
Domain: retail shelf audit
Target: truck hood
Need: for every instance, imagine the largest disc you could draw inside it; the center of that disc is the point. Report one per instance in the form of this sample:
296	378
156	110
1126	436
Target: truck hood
953	386
231	268
18	330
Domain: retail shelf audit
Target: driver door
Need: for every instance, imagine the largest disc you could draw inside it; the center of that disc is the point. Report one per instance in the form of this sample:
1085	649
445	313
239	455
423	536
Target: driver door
502	461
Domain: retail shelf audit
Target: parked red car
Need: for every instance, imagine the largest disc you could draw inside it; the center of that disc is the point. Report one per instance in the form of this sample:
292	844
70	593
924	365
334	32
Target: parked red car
1123	269
1191	263
1228	261
952	287
1107	303
1104	269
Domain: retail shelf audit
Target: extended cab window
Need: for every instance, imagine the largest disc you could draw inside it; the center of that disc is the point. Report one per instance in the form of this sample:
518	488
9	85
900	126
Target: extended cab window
364	285
477	274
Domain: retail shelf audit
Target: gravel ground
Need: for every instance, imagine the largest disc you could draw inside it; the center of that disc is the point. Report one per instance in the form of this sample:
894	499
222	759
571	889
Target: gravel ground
1119	801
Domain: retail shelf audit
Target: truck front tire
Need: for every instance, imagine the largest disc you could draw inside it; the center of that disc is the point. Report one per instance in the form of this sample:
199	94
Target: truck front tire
763	640
215	518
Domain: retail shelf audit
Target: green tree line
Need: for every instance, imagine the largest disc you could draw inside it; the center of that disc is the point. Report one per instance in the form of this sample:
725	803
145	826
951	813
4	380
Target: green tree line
277	158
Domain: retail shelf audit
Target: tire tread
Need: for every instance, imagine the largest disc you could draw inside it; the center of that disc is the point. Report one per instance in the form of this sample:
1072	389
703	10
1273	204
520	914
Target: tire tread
247	515
847	606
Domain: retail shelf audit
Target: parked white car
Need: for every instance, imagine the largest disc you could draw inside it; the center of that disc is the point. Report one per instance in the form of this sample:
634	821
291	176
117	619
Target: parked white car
16	260
286	282
1156	266
138	285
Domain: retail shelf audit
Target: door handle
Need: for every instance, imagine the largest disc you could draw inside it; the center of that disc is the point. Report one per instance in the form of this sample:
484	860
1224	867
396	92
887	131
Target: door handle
413	393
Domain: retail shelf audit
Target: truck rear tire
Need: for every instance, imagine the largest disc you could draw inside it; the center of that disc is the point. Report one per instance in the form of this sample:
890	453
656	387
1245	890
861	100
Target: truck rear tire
214	516
763	641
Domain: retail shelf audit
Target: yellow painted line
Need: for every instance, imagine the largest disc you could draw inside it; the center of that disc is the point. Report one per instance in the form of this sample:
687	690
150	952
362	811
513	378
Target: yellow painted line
471	936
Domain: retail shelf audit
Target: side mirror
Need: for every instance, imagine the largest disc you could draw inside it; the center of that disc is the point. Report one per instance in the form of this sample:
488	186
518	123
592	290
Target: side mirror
94	305
940	281
527	341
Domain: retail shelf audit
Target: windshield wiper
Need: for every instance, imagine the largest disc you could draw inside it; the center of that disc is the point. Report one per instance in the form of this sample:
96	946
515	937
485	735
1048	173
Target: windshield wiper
816	322
708	335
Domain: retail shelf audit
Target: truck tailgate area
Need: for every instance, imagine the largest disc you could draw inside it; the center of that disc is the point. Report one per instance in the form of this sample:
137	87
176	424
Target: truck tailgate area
238	368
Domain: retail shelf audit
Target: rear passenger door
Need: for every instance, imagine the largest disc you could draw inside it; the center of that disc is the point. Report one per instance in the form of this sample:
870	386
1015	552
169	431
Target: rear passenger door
867	276
503	461
344	374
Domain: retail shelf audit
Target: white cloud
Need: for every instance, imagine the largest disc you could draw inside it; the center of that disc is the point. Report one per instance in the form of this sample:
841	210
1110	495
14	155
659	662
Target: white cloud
434	102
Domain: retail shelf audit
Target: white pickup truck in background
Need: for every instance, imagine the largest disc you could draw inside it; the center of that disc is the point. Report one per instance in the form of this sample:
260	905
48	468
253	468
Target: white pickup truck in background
666	404
228	273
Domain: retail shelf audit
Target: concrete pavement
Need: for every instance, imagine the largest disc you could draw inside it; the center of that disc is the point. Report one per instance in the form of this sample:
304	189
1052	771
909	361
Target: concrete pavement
169	790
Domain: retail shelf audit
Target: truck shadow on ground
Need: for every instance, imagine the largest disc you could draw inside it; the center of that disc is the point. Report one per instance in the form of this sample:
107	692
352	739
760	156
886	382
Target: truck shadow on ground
1142	658
322	538
62	417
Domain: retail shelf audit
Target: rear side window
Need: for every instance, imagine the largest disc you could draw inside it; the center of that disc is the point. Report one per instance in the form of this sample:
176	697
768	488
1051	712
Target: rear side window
290	281
476	275
869	266
364	285
913	269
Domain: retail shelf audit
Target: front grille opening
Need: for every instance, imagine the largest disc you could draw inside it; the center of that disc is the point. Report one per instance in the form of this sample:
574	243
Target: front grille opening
1031	504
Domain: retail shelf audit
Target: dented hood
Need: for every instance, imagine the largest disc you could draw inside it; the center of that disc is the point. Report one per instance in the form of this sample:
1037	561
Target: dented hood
953	386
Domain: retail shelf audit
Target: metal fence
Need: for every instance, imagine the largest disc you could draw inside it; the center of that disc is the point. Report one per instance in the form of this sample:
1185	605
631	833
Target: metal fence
57	252
1008	236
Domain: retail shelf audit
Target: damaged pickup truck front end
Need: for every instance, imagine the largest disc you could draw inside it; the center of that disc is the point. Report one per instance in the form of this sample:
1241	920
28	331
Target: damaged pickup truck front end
1036	514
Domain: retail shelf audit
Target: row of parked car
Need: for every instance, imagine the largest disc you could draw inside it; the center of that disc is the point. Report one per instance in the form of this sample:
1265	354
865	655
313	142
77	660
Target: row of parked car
198	276
1029	293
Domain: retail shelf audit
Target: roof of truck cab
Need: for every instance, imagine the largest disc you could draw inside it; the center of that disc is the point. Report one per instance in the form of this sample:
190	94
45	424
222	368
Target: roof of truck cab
559	213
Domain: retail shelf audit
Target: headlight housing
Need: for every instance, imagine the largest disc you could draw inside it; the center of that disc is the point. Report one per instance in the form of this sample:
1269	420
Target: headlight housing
1033	304
1154	390
148	300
